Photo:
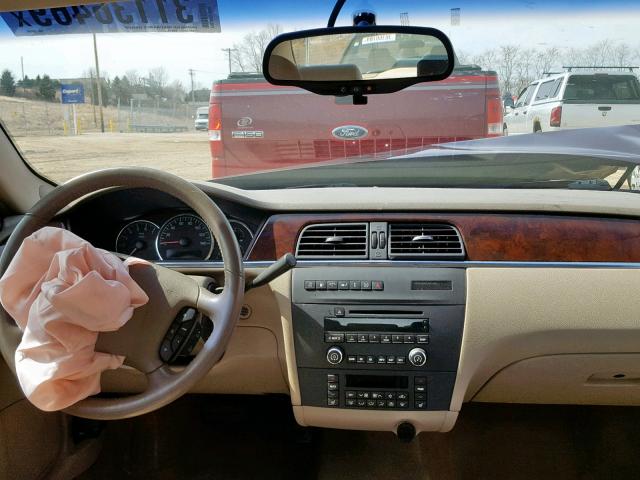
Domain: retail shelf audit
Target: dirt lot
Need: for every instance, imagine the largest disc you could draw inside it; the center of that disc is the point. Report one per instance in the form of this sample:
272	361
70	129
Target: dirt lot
61	158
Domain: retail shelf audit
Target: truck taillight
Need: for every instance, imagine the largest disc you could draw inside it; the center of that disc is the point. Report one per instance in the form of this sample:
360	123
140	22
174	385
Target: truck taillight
494	117
556	117
215	138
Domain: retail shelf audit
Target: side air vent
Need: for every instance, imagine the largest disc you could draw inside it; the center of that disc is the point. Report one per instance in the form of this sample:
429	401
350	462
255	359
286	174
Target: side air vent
413	240
335	240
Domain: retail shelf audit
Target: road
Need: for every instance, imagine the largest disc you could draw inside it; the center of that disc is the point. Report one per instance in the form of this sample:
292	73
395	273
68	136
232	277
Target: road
63	157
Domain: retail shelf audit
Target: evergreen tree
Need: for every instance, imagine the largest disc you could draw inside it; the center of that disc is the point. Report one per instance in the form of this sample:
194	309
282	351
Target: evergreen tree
7	84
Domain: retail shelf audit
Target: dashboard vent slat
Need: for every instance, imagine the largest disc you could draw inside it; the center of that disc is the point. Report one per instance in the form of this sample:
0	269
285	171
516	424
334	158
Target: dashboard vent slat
420	240
335	240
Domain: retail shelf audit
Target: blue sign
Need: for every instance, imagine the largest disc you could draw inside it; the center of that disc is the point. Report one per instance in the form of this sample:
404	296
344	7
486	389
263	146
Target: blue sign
127	16
72	93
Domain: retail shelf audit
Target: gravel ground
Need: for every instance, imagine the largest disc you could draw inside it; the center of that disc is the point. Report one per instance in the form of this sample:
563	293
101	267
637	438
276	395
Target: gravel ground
61	158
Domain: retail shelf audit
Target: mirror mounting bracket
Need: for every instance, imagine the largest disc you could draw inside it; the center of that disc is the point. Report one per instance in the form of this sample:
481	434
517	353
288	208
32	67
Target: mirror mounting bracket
360	99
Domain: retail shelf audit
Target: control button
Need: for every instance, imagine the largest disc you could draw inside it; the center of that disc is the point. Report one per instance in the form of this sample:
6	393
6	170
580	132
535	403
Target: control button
310	285
343	284
339	311
332	394
334	355
351	359
332	402
371	359
332	377
332	285
361	359
390	395
377	285
351	338
382	359
376	395
421	404
400	360
365	284
383	240
409	339
321	285
391	404
350	394
350	403
417	357
374	338
165	351
420	388
332	386
354	284
397	338
391	360
374	240
366	395
360	394
402	396
361	403
403	404
188	315
371	403
176	342
420	396
381	403
420	381
363	338
384	338
423	338
334	337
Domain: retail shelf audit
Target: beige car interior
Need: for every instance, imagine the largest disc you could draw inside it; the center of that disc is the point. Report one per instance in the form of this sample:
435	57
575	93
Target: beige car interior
541	333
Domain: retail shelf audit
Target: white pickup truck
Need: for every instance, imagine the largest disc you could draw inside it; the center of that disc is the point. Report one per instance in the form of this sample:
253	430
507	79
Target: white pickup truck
575	100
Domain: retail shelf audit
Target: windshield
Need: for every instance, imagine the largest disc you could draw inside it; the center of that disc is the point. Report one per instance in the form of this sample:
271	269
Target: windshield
178	85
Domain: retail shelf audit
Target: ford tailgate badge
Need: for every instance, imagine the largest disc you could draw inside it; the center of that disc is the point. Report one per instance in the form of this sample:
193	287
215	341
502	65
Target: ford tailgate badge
349	132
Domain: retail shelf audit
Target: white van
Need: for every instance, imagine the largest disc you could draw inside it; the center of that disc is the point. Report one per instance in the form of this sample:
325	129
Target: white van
202	118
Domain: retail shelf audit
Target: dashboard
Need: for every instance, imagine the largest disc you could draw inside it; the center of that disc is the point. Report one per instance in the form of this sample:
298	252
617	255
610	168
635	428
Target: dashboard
398	313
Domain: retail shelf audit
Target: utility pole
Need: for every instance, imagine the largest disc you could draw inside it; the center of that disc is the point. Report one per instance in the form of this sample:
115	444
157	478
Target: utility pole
192	74
24	91
95	52
404	19
229	50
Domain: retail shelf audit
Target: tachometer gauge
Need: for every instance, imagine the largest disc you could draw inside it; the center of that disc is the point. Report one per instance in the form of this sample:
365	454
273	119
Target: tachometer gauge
185	237
243	234
138	239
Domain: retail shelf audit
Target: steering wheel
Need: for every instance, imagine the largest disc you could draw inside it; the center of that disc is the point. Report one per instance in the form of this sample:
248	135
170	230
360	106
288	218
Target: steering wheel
169	293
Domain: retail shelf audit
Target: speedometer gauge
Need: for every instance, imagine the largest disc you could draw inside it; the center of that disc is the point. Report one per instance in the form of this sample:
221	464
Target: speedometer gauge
243	234
184	237
138	239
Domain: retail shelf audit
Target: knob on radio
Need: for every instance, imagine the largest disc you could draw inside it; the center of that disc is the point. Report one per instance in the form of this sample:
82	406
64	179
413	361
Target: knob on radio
417	357
335	355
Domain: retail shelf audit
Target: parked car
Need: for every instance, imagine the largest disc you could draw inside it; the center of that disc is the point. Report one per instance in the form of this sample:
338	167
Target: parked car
576	100
202	118
255	126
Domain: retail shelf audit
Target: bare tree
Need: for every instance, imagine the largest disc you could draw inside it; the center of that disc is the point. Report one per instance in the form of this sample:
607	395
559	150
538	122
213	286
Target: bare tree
157	80
247	55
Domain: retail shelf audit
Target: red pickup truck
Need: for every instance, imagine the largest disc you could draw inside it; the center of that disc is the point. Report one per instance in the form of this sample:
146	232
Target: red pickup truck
255	126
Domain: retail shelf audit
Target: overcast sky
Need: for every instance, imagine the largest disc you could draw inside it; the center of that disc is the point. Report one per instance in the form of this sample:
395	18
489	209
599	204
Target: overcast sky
530	23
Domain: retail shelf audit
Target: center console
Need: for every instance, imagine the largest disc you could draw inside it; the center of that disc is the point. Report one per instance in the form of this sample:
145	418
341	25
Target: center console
385	339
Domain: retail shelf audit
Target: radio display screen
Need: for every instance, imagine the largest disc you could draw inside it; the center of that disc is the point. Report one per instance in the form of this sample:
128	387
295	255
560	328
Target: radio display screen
377	381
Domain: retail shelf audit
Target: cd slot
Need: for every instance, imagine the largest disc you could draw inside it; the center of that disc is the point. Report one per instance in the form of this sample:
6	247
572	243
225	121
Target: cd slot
386	313
389	325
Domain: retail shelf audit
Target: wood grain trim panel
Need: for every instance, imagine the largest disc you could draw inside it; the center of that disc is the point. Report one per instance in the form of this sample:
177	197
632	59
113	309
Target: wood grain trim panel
487	237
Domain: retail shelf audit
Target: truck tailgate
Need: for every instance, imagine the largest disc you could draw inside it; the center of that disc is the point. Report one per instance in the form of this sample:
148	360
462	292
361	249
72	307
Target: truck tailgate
266	127
587	115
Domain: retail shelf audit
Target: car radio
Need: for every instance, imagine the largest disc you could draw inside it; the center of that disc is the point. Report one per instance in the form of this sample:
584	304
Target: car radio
396	347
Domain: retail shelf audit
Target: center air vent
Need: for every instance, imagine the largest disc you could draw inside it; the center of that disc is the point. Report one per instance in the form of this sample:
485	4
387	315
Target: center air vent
337	240
424	240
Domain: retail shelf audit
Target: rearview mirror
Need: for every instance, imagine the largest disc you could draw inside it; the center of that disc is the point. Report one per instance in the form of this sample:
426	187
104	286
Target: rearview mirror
358	61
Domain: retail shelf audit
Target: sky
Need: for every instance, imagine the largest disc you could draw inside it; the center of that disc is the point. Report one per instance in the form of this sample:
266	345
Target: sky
484	25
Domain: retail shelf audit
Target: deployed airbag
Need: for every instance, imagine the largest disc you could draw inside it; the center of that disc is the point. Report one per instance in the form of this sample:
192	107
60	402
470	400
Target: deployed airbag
62	292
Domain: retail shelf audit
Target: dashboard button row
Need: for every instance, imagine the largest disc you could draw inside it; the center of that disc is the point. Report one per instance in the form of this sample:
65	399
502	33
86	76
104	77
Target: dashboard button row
377	359
356	285
339	337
